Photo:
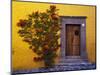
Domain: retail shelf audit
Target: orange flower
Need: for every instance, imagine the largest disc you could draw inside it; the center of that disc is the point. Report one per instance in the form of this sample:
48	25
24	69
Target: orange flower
52	7
54	16
37	58
22	23
27	40
36	13
46	47
39	29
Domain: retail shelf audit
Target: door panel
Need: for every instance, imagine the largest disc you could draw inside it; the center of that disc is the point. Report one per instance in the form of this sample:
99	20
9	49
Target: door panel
72	40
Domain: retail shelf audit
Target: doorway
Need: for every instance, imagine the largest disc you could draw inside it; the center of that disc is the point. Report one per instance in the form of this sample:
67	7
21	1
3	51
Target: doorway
72	40
73	37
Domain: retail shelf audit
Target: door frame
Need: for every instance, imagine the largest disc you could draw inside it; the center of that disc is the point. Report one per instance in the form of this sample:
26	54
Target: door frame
80	20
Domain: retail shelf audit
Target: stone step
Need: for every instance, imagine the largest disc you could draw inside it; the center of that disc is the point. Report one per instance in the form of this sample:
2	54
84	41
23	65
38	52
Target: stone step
74	63
72	59
67	67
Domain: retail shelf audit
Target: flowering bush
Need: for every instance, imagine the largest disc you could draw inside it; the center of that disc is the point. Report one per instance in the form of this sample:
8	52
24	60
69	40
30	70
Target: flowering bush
40	31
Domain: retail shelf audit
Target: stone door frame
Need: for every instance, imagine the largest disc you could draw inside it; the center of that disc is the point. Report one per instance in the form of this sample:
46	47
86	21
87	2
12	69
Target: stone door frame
80	20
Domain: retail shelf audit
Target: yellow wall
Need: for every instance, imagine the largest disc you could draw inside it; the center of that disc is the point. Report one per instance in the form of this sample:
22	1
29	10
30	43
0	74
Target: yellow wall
22	57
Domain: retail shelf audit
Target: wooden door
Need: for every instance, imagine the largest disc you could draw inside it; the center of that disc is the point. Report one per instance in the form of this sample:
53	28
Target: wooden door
72	40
